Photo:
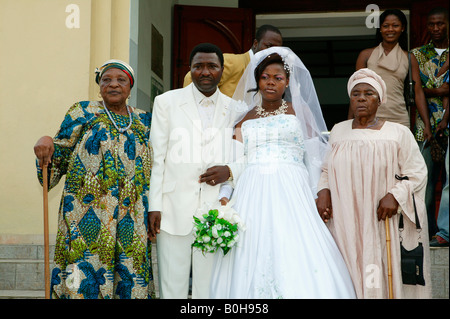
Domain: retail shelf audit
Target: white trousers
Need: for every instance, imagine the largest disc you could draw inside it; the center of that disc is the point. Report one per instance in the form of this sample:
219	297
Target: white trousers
175	255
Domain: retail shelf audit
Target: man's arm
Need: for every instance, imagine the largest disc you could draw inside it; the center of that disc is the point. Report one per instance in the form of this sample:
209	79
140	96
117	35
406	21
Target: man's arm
436	92
159	138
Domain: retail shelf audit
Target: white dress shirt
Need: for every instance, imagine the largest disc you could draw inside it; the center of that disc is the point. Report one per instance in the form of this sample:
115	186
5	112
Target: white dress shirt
206	106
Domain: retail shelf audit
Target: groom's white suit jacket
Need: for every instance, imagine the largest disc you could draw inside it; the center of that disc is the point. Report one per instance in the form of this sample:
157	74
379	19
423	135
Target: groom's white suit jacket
182	151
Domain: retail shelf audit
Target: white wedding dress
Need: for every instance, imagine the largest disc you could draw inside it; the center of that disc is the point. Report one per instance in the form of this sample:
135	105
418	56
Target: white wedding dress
286	250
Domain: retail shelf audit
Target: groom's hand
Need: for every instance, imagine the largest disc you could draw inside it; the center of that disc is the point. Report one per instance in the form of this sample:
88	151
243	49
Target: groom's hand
215	175
154	222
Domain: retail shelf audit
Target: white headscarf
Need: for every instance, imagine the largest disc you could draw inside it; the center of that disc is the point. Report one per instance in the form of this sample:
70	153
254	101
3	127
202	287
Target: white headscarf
304	102
370	77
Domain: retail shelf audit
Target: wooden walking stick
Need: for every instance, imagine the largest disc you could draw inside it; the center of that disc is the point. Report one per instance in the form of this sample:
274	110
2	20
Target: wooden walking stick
46	237
388	246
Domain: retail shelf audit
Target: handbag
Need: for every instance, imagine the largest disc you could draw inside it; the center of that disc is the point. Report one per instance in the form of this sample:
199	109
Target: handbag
411	260
408	90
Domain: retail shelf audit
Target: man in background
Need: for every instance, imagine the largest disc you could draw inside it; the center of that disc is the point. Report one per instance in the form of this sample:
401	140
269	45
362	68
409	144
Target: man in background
234	64
431	58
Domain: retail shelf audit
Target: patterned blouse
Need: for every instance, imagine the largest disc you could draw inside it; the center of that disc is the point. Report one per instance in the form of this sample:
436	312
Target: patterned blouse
429	64
102	249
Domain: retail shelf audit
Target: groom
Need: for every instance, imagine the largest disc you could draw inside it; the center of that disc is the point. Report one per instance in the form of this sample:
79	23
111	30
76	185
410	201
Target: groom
191	130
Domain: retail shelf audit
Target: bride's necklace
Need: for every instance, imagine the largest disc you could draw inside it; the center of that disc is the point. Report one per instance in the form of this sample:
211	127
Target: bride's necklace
263	113
121	130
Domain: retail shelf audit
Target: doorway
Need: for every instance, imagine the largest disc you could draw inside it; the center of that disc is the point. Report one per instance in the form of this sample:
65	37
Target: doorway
328	43
331	61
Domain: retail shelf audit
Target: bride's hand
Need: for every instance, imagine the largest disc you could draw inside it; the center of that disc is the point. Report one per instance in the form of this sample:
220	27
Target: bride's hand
323	203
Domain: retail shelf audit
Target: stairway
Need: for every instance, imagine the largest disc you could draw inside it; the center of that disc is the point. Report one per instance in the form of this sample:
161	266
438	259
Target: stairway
439	272
22	271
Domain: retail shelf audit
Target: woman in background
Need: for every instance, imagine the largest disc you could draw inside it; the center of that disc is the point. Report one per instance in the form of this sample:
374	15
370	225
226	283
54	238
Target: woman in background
390	61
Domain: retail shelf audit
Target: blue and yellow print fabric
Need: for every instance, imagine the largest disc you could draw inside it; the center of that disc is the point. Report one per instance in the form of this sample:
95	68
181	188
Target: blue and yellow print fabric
102	249
430	62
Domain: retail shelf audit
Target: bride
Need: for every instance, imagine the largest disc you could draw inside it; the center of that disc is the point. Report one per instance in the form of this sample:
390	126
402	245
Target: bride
286	250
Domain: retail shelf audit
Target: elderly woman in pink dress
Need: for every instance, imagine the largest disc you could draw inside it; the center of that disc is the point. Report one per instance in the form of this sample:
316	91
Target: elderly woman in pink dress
358	190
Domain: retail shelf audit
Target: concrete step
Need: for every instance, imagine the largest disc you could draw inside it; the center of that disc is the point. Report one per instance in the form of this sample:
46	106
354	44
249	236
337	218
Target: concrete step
440	272
24	251
22	271
22	274
22	294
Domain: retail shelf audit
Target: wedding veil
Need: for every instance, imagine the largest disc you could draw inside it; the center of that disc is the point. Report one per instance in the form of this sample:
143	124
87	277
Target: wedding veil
305	103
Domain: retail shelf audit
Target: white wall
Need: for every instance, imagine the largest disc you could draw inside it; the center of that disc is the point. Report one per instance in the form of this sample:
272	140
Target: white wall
44	69
47	64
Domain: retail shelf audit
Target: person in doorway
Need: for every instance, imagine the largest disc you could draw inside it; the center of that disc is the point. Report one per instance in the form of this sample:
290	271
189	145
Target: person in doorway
431	58
192	130
390	61
102	249
361	185
234	64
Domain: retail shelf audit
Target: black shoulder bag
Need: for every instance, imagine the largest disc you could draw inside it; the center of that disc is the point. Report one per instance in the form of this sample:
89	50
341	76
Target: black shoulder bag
412	260
408	90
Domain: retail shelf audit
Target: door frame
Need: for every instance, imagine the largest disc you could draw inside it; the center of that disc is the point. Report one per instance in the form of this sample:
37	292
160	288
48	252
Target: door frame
214	19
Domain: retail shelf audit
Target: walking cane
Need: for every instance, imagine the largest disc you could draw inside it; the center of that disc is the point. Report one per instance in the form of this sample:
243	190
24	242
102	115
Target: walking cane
46	240
388	246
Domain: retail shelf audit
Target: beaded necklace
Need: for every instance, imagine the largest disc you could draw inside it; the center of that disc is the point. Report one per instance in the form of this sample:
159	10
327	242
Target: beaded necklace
263	113
121	130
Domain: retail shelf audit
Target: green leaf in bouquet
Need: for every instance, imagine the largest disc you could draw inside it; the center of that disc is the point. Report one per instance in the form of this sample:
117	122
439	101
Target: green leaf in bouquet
225	250
197	220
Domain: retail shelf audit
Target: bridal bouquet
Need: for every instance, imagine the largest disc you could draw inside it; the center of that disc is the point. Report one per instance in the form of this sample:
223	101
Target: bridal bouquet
216	228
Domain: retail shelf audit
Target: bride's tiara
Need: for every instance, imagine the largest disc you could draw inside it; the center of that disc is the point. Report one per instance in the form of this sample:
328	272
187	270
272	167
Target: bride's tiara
286	66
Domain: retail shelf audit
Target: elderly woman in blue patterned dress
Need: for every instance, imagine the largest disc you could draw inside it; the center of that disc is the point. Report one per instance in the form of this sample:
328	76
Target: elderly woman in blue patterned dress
102	248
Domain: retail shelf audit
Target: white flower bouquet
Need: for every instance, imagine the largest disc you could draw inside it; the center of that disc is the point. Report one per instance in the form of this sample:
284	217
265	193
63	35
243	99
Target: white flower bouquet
216	228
